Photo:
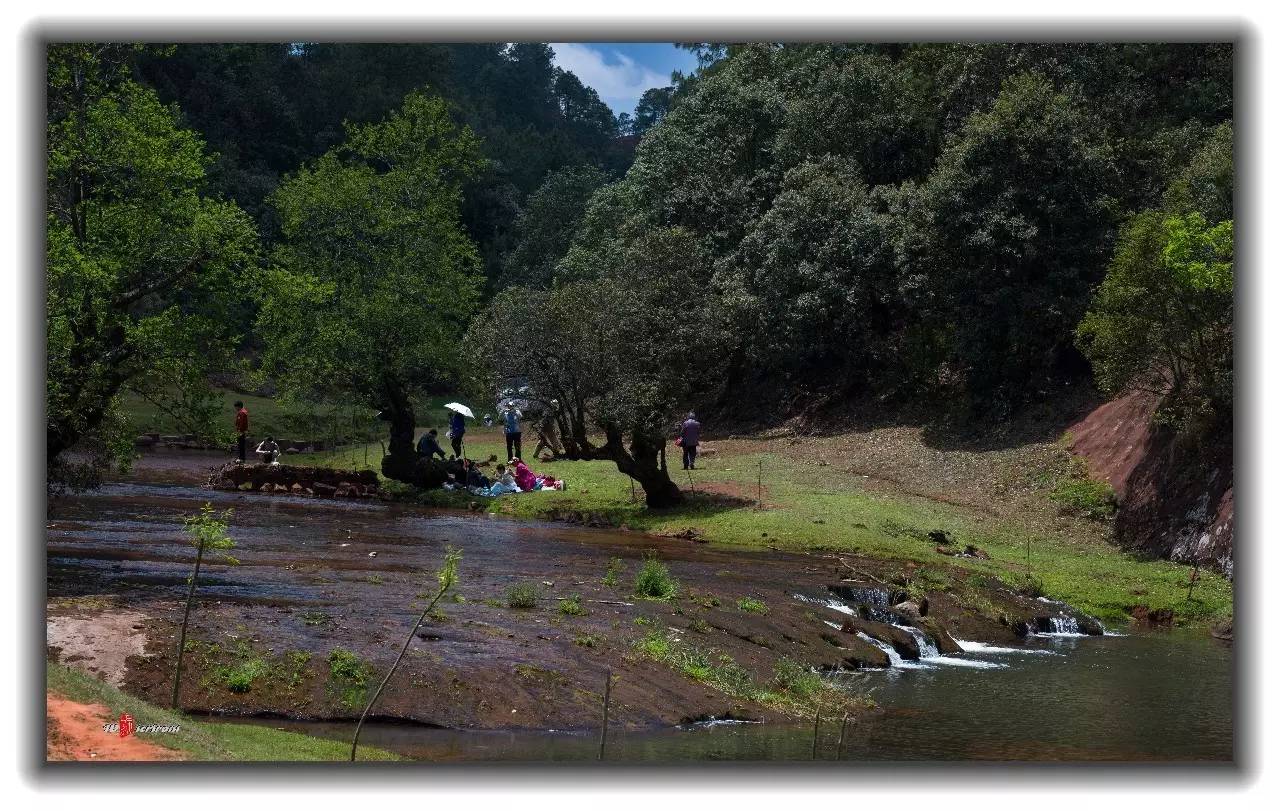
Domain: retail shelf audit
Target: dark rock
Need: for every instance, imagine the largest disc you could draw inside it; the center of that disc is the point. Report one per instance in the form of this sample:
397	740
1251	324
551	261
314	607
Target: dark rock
144	441
323	489
296	489
901	640
859	653
941	536
908	609
941	638
1224	630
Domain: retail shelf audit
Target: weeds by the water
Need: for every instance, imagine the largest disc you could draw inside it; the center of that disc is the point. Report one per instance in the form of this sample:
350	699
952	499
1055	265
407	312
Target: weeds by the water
654	581
612	571
586	640
349	675
794	689
523	595
752	606
572	606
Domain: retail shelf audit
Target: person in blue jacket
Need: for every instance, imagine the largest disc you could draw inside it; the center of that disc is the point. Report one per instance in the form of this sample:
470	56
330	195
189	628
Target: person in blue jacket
457	427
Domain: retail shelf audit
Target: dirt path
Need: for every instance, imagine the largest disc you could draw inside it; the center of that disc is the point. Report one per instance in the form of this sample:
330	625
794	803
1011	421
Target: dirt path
75	732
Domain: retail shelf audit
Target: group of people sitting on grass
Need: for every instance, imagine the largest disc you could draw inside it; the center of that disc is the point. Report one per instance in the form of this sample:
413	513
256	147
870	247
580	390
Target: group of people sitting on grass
465	474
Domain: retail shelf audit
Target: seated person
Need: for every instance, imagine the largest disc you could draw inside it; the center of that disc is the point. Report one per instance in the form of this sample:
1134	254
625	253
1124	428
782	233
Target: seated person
503	483
474	477
269	450
429	446
525	479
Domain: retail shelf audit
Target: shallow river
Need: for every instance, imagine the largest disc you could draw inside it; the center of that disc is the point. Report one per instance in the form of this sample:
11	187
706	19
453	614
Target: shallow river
1151	696
1129	696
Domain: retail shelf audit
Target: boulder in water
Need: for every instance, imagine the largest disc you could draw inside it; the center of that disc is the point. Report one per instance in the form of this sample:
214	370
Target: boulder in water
945	643
899	638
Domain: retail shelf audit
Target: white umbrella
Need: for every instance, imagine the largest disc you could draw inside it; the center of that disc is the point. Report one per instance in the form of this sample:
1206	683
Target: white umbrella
461	409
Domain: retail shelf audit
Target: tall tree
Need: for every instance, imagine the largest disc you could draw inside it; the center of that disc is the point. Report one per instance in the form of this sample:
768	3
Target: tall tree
141	264
374	279
548	223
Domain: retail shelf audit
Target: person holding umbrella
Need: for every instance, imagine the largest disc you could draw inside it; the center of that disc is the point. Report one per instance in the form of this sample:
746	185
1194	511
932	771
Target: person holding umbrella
457	425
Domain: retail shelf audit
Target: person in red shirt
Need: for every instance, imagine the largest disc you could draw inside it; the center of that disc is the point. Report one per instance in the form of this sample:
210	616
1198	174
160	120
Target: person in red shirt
242	429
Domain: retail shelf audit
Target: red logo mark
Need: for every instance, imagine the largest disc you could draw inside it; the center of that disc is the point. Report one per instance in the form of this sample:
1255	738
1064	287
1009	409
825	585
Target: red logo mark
126	725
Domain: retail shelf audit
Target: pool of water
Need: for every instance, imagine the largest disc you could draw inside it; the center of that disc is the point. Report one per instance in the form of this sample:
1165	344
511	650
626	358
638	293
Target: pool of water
1142	697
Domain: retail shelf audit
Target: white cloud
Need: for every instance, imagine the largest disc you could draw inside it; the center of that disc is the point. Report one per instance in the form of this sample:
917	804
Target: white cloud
618	78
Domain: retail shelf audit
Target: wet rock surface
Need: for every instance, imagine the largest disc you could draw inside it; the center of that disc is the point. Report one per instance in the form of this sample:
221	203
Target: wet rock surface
320	579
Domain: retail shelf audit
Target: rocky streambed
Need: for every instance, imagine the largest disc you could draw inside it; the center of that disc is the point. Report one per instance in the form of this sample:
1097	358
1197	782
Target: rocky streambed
325	591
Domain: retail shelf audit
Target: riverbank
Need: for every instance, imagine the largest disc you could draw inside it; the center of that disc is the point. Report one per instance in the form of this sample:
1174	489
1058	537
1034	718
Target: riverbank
879	493
79	705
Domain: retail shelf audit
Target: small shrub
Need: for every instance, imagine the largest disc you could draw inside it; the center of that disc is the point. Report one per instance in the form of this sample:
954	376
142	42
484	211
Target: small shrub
522	595
642	621
345	666
752	606
572	606
699	626
710	601
654	580
586	640
375	579
1095	499
240	677
612	571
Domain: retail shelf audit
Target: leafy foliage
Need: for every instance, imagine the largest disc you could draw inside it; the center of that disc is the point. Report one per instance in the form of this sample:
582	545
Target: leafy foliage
373	280
141	264
654	580
1162	319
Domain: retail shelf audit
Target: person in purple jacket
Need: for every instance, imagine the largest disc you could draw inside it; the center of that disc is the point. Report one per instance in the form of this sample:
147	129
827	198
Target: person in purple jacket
690	430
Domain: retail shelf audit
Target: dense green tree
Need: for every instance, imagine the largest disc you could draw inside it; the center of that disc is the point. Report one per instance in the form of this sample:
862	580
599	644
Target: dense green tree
373	280
546	226
623	352
141	264
1006	238
652	107
1162	321
816	278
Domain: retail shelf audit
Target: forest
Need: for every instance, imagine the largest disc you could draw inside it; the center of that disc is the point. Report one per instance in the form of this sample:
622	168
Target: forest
788	228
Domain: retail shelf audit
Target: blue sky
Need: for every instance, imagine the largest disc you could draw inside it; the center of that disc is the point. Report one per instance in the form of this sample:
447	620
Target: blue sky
621	71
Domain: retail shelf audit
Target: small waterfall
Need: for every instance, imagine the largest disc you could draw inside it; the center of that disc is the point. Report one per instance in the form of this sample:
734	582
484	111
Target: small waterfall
1060	625
923	642
895	658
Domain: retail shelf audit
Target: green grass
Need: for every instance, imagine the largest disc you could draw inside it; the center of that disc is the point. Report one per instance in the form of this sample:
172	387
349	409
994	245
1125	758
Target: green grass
752	606
1092	498
572	606
654	580
349	677
523	596
202	740
1083	570
795	689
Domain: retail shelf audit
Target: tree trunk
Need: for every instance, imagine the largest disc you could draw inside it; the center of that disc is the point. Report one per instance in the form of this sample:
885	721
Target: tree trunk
401	457
641	462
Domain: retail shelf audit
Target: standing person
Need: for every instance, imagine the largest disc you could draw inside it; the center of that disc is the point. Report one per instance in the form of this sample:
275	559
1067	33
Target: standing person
242	430
511	427
690	432
457	427
546	432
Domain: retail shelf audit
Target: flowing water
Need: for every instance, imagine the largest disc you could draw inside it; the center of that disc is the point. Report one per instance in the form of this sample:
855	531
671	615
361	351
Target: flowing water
1061	696
1142	697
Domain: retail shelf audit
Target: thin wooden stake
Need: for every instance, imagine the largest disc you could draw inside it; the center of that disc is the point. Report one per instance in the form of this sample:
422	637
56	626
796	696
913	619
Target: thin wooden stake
760	484
633	488
604	723
840	745
817	719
